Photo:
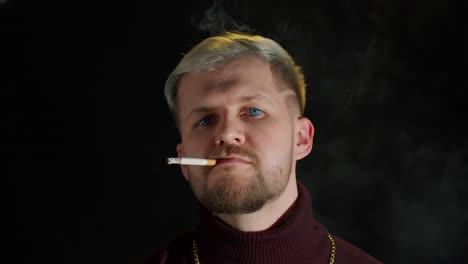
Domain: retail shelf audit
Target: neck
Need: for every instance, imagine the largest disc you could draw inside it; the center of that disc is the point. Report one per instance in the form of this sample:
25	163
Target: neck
268	215
295	237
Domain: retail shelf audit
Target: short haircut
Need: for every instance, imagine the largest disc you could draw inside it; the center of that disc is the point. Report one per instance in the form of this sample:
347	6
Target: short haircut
227	46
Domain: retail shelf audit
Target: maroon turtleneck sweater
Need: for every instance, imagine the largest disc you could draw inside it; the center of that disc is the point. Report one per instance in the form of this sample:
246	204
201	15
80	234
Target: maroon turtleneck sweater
295	238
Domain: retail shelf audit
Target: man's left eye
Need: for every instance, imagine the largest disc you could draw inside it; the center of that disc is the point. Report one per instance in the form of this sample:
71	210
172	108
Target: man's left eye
254	111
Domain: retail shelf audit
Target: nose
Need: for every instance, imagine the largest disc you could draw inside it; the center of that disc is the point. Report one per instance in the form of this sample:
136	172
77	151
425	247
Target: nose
229	132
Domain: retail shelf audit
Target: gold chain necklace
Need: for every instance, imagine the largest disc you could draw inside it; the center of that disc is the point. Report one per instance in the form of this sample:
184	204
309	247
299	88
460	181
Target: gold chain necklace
331	261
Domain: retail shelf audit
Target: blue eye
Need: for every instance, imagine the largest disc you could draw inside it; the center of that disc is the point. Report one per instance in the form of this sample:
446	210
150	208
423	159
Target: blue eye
204	122
254	111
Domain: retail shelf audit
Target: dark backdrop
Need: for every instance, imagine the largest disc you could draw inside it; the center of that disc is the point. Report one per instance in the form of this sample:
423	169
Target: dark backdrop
88	131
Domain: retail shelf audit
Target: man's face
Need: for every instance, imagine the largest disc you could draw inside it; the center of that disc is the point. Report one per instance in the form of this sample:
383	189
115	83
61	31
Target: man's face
237	115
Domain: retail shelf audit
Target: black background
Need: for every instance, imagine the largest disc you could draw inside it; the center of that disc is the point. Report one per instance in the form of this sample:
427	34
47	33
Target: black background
88	130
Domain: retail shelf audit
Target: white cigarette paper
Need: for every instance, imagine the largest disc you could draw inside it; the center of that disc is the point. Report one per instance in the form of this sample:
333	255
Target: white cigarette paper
191	161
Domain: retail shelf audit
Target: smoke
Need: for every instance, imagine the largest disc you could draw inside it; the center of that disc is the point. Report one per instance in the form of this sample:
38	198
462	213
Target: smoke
216	20
411	191
427	208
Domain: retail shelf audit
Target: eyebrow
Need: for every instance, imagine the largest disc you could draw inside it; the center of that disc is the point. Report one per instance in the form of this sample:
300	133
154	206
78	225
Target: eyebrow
242	100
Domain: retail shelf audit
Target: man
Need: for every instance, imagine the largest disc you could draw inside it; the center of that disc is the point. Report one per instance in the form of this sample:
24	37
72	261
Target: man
239	99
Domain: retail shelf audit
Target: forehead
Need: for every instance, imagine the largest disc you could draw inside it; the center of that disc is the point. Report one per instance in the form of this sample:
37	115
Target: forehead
248	74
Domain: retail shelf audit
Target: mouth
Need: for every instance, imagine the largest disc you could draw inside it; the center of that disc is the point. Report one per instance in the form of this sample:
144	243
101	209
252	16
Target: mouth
232	160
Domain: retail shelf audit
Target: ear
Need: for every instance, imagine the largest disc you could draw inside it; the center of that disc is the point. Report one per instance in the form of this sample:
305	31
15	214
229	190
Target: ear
305	138
180	154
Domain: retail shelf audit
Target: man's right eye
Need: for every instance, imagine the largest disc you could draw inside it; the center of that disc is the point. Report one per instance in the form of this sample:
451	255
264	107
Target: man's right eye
204	122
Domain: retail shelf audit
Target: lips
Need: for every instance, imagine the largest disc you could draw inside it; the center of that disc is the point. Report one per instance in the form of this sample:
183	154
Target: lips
232	160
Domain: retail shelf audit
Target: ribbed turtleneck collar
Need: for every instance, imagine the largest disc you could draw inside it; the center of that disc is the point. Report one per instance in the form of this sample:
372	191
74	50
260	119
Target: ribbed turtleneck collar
295	238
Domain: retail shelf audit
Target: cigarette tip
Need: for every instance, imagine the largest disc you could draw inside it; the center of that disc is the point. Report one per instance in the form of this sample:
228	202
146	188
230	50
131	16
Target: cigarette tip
173	160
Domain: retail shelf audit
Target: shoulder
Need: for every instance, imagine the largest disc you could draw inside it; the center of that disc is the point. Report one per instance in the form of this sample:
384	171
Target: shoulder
351	254
177	251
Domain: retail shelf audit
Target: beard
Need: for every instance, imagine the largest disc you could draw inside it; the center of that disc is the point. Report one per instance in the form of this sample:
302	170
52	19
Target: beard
230	193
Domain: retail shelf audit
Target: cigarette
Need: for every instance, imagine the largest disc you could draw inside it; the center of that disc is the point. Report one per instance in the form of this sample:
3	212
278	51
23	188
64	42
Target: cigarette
191	161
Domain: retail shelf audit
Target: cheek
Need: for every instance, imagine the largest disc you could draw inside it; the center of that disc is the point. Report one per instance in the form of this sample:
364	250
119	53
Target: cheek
196	145
275	141
276	145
